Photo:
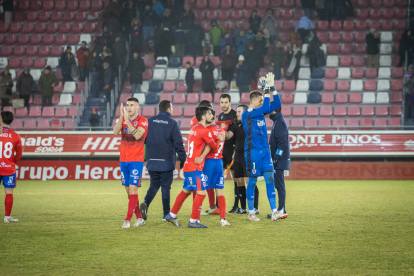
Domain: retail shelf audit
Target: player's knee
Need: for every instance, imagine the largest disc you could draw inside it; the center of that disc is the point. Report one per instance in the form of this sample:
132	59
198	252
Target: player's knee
8	191
202	192
219	192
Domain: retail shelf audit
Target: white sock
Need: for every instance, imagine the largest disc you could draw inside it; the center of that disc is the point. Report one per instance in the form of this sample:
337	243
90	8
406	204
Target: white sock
193	220
198	221
282	211
222	220
252	212
173	215
7	217
273	211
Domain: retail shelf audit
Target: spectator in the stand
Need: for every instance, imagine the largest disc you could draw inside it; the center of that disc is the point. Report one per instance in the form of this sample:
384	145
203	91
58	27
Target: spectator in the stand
83	55
163	44
107	57
309	7
187	18
197	35
216	33
406	42
148	22
207	77
136	68
6	84
66	61
260	47
321	10
158	8
266	35
24	85
111	16
409	94
108	79
135	35
252	59
313	51
294	56
329	10
234	32
179	40
277	58
94	118
243	75
47	83
341	9
8	11
224	41
373	42
242	43
294	38
269	23
250	35
128	14
228	63
303	27
94	65
167	19
120	52
189	77
178	7
254	21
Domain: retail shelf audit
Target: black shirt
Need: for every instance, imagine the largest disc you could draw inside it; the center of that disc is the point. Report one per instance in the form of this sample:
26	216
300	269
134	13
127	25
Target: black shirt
228	144
238	135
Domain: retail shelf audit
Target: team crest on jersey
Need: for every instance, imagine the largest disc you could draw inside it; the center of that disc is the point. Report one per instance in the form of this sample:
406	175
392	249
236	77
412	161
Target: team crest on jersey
135	124
253	171
261	123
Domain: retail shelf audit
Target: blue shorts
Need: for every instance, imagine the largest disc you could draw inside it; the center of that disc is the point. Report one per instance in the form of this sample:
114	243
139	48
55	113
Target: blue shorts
131	173
9	181
213	172
194	181
258	162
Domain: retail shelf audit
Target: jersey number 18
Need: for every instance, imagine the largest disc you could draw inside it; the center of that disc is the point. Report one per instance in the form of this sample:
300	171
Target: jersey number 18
7	152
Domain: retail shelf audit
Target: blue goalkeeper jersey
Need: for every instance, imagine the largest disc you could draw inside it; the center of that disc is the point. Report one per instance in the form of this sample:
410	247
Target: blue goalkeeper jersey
254	124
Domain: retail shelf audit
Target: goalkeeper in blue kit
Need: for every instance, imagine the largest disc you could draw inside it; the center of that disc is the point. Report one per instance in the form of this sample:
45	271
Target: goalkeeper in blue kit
256	148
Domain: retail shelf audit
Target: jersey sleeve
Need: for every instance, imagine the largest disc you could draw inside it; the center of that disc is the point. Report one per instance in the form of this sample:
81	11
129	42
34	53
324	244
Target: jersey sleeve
207	136
275	105
143	123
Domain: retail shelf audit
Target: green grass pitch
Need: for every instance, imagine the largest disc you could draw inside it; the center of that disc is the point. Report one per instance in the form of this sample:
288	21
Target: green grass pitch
334	228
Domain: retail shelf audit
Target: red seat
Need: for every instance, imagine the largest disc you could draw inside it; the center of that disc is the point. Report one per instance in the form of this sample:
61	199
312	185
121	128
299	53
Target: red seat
370	85
336	26
15	28
347	37
289	85
93	16
64	27
330	73
286	14
395	110
48	39
14	63
165	97
77	99
61	112
338	123
381	110
149	61
48	5
375	14
278	85
24	39
211	15
10	39
44	16
285	26
323	36
26	61
181	87
394	122
80	86
43	124
187	59
376	3
355	98
363	4
396	97
361	25
341	98
348	25
36	5
286	98
325	111
214	5
60	39
375	24
39	63
298	111
169	86
400	13
251	4
380	123
367	110
89	28
48	112
96	5
389	4
329	85
189	111
31	16
56	16
37	99
206	97
226	5
357	73
56	51
29	124
340	111
311	111
352	123
185	123
396	85
223	15
388	14
366	123
34	112
395	60
192	98
371	73
80	16
324	123
244	99
201	4
296	123
73	111
6	51
286	111
236	15
73	39
360	48
297	14
19	16
72	6
346	49
57	123
147	75
60	5
362	14
327	98
288	4
399	24
353	111
4	27
387	25
402	3
68	16
345	61
39	28
397	73
334	37
238	4
358	61
31	50
77	27
323	26
22	112
179	98
263	4
52	27
276	3
178	111
84	5
360	37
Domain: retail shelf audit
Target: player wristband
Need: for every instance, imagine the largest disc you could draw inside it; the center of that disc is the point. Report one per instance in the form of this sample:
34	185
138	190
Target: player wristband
134	131
267	91
279	152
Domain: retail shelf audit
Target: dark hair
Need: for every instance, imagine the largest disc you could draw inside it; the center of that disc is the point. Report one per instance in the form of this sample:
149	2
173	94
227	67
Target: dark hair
84	42
224	96
201	111
244	106
133	99
164	105
254	94
205	103
7	117
188	62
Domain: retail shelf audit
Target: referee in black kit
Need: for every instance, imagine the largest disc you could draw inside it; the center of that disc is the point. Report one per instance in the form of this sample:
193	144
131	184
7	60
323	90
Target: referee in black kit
229	114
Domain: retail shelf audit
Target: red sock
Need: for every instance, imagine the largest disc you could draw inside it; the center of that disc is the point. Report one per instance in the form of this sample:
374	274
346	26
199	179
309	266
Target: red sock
194	194
211	197
197	206
179	202
138	210
222	206
8	204
133	199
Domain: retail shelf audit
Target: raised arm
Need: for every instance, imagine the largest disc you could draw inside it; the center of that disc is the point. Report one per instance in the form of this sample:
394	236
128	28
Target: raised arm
261	110
118	126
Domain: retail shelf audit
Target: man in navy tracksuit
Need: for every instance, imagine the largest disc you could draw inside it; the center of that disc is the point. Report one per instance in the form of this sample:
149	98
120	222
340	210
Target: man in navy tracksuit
280	151
163	141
